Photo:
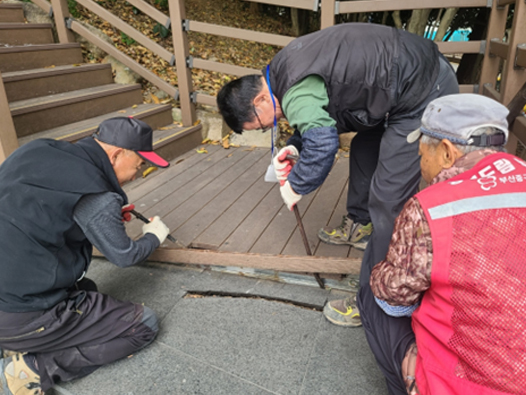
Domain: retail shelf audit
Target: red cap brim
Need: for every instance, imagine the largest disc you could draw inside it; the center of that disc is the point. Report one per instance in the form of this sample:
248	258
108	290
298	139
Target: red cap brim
153	158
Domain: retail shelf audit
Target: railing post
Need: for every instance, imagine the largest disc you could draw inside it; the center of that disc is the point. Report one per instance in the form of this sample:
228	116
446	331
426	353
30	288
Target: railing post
8	137
496	28
61	13
327	13
513	77
184	75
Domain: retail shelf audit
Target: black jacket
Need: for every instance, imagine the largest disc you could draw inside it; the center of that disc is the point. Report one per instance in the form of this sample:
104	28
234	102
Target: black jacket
370	71
43	251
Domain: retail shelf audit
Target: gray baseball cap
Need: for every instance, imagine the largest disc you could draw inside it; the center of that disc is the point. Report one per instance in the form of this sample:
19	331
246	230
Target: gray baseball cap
457	117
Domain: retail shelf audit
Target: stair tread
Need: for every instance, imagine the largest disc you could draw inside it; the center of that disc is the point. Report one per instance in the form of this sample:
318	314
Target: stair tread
86	127
23	25
48	71
11	5
36	47
169	133
27	105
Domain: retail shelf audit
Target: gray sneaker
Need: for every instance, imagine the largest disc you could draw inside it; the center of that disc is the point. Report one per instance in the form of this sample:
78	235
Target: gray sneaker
350	233
343	312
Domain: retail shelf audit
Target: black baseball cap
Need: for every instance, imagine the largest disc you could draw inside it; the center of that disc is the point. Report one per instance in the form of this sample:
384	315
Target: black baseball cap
132	134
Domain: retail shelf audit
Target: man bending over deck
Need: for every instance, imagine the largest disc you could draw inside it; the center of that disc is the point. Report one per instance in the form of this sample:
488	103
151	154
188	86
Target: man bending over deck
57	201
371	79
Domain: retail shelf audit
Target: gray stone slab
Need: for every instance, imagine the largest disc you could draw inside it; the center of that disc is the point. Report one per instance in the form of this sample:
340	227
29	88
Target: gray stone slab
267	343
342	363
156	288
159	370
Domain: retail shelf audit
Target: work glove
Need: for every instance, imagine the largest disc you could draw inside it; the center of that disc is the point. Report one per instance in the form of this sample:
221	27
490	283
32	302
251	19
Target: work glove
282	165
126	214
156	227
289	196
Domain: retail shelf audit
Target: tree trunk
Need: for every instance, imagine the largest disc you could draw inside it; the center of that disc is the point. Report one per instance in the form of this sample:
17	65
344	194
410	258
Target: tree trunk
418	22
435	23
300	21
397	20
384	17
445	23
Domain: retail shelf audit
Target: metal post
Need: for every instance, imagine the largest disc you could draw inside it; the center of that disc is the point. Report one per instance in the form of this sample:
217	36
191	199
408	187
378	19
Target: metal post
184	75
61	13
8	137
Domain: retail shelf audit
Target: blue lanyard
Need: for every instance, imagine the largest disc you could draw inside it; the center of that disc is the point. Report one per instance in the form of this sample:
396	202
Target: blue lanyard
275	128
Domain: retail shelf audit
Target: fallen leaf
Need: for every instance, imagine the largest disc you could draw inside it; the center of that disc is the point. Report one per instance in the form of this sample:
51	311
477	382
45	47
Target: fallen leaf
229	155
214	142
226	144
234	145
205	141
155	99
122	112
201	151
134	106
197	122
179	161
149	170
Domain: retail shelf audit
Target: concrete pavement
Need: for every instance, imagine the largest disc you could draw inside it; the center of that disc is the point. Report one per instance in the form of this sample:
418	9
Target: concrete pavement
230	345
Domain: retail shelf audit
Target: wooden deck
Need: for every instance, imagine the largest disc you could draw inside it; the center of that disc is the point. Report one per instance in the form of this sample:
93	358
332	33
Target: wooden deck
218	205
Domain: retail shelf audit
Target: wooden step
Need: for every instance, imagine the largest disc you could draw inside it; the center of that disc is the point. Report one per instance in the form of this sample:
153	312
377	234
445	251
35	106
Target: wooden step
155	115
25	33
172	141
11	13
28	84
38	56
38	114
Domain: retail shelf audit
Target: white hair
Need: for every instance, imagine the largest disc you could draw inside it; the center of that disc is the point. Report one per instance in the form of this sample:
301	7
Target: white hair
433	142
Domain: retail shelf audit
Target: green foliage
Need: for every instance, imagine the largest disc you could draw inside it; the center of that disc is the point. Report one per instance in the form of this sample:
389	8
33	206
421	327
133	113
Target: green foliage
127	40
161	30
73	8
163	4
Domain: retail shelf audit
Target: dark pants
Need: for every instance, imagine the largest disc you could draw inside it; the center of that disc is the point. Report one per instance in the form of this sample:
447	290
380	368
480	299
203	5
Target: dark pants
395	180
78	335
365	150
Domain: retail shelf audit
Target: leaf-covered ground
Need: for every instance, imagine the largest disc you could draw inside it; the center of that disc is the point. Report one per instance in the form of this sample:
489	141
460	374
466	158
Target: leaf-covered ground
232	13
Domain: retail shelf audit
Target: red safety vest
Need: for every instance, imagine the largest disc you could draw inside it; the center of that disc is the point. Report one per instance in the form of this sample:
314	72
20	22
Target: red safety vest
471	325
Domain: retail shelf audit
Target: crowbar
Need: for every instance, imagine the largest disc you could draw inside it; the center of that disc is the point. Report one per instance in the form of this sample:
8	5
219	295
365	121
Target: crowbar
306	242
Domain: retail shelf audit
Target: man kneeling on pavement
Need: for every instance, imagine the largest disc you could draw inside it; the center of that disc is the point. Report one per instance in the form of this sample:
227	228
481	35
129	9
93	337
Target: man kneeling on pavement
57	201
456	263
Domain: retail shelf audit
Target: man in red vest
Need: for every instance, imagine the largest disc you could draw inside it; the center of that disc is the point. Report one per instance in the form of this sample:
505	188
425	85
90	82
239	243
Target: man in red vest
457	257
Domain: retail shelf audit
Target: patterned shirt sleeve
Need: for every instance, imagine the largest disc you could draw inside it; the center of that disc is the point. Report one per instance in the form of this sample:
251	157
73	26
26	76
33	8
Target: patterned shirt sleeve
405	273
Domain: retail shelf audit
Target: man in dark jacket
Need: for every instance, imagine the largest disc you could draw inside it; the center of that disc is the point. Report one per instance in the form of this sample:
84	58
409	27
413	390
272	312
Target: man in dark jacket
57	201
366	78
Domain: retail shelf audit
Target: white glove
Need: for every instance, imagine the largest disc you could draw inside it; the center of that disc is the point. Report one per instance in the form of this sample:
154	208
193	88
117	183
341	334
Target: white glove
156	227
289	196
282	165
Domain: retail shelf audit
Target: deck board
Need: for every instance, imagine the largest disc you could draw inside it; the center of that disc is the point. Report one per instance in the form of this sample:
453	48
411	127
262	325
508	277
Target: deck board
220	200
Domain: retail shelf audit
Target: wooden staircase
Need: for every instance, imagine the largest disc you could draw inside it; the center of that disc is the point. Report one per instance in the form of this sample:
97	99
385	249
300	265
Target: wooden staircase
51	93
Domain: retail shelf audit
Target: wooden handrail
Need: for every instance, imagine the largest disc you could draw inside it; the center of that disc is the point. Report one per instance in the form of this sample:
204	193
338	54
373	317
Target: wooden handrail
519	129
301	4
502	3
498	48
489	91
346	7
232	32
124	59
151	11
460	46
203	98
128	30
223	67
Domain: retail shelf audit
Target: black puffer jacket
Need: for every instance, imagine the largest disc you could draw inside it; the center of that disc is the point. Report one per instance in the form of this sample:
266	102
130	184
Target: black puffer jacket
369	70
